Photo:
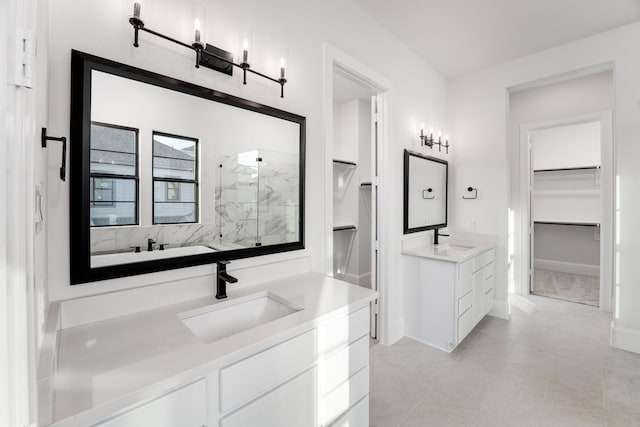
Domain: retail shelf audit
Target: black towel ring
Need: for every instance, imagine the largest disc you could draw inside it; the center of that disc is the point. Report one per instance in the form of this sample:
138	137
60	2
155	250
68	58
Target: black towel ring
475	193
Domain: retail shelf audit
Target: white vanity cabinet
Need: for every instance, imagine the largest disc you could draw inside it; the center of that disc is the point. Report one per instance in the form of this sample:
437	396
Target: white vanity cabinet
319	377
445	299
312	379
186	407
307	368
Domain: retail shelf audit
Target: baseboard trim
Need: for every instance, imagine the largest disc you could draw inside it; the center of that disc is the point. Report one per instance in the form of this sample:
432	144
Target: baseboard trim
567	267
625	338
500	309
522	303
430	344
393	333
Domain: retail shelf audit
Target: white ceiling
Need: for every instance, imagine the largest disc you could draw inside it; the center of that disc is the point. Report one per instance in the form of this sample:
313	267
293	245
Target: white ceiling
460	36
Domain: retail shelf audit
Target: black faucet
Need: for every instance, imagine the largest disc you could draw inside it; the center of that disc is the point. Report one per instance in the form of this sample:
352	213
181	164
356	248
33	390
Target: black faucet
150	243
223	277
436	233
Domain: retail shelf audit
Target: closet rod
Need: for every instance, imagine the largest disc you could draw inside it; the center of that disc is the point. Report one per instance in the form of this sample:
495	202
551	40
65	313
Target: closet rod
344	227
344	162
584	224
568	169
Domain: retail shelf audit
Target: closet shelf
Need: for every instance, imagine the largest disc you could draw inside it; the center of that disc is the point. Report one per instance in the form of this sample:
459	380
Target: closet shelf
581	223
577	168
344	228
344	162
582	192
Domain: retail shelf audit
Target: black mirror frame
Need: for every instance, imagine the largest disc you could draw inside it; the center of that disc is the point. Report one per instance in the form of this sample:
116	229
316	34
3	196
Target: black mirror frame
405	222
79	222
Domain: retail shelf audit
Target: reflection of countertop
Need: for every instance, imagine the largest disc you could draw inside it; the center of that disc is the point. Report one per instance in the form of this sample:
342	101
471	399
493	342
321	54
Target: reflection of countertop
111	364
453	251
127	257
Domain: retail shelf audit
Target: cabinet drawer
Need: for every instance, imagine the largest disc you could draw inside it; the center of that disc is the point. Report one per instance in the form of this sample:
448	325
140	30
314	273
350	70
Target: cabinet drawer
491	255
338	367
340	399
465	324
489	283
489	270
185	407
342	331
358	416
249	378
483	259
465	302
465	272
290	405
478	296
489	299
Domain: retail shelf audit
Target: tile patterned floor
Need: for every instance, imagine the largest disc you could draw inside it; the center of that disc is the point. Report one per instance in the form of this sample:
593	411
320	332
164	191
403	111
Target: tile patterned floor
551	367
569	287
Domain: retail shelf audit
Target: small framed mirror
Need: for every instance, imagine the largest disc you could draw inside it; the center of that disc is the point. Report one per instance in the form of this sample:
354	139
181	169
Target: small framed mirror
425	192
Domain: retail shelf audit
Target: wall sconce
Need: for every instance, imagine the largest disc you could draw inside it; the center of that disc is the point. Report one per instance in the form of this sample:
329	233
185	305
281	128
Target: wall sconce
428	140
206	55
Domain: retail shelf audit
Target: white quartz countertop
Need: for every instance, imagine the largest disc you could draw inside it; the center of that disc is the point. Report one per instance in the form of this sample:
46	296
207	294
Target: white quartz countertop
108	365
453	251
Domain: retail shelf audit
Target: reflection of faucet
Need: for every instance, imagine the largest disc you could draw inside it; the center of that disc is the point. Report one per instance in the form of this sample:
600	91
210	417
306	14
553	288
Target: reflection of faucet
222	279
150	243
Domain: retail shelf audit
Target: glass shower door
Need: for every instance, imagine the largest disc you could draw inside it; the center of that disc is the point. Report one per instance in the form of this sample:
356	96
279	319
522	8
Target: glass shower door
237	204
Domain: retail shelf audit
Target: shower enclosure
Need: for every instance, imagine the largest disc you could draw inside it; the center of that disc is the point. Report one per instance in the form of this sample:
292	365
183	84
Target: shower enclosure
257	199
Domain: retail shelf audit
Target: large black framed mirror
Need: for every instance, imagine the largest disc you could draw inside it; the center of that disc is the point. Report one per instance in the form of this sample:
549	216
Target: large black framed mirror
166	174
425	192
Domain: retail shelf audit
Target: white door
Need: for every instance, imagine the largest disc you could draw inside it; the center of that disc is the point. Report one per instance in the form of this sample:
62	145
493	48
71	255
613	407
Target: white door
376	131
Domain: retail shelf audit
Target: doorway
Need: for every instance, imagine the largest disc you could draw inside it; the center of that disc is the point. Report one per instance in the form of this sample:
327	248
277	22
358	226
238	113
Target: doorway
569	209
354	106
565	212
354	147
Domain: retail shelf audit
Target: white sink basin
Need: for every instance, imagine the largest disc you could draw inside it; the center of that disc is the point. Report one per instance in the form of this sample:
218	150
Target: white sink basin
459	247
217	321
447	249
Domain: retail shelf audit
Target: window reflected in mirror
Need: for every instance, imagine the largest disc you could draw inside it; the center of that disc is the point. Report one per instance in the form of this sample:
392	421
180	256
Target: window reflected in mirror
175	180
114	175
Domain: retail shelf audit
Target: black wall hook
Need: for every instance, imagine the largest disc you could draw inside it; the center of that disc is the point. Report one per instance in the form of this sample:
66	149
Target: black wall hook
475	193
44	138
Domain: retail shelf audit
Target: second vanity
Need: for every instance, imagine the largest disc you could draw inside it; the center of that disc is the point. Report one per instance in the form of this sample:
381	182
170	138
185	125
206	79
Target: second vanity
305	364
448	289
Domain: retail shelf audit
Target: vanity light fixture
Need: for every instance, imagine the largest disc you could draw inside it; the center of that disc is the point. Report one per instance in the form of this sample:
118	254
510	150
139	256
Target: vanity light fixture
428	140
206	55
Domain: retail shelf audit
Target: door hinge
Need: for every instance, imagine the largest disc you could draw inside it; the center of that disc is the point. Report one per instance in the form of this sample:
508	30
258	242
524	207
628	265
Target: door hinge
25	59
375	181
376	245
375	308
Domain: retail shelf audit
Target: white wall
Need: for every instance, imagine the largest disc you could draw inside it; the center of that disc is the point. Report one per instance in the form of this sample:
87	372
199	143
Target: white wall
568	146
479	118
418	95
567	244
